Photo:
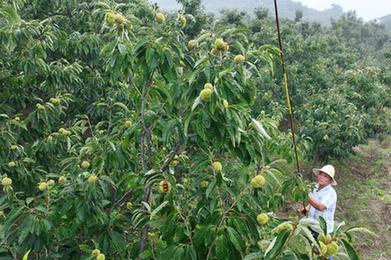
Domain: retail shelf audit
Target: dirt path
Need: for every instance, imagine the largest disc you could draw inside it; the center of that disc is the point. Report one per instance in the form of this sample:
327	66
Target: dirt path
365	197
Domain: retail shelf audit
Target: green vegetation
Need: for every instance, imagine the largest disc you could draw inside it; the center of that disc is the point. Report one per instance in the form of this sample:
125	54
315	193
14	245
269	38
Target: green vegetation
128	132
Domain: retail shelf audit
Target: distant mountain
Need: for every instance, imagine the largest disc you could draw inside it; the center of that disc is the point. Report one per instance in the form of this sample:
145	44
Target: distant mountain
386	20
287	8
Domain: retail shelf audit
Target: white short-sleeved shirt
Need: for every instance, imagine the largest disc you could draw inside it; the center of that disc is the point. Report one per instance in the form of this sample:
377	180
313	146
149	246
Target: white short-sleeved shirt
328	197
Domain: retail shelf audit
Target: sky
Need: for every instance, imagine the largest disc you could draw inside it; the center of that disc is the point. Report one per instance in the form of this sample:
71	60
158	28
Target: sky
367	9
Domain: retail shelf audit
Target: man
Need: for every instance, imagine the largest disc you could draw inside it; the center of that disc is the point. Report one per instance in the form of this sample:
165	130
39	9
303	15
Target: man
323	200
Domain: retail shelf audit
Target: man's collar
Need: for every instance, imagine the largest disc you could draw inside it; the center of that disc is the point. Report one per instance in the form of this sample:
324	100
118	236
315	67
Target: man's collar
324	188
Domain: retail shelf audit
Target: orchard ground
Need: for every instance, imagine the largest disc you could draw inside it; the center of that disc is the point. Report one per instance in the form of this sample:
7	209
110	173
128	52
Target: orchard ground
364	192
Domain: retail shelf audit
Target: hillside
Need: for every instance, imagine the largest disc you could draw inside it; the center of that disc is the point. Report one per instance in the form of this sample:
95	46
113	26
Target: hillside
287	8
386	20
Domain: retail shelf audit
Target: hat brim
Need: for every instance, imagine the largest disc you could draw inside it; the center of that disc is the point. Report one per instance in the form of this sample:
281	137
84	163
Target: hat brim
316	172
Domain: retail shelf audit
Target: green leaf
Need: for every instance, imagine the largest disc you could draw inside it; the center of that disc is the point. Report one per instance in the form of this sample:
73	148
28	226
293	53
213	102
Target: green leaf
323	224
222	247
235	239
254	256
240	226
26	255
25	229
147	206
276	247
12	14
121	48
186	125
350	250
151	59
361	230
203	235
12	216
210	188
178	253
118	242
155	211
121	105
289	255
197	101
261	131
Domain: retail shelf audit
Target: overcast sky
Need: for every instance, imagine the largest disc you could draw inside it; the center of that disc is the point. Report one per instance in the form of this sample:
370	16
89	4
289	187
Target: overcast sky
367	9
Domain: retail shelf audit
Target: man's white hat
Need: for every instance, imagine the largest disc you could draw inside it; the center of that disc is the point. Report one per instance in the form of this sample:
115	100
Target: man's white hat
329	170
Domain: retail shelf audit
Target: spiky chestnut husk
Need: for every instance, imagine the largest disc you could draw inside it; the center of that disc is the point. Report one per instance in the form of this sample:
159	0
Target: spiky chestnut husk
192	44
85	165
182	21
55	101
164	186
257	182
220	44
225	103
43	186
92	179
95	252
282	227
64	132
214	51
40	107
209	86
110	18
323	248
332	249
217	166
175	161
239	59
119	19
62	180
206	94
6	182
127	124
262	218
101	257
11	164
160	18
204	184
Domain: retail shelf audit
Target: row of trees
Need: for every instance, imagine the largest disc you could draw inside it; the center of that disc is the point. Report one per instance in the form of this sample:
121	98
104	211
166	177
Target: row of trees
128	132
338	75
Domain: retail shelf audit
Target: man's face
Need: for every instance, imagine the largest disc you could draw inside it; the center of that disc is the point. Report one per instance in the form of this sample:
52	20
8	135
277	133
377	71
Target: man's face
323	179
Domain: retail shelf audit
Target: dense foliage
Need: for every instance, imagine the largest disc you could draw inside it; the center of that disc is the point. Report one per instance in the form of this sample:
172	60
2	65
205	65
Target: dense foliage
339	77
143	134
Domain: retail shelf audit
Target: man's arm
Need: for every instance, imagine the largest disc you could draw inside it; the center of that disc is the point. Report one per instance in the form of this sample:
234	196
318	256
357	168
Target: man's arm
316	203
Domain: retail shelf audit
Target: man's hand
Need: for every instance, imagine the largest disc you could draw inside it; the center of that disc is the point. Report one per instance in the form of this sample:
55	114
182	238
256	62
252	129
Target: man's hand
303	210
